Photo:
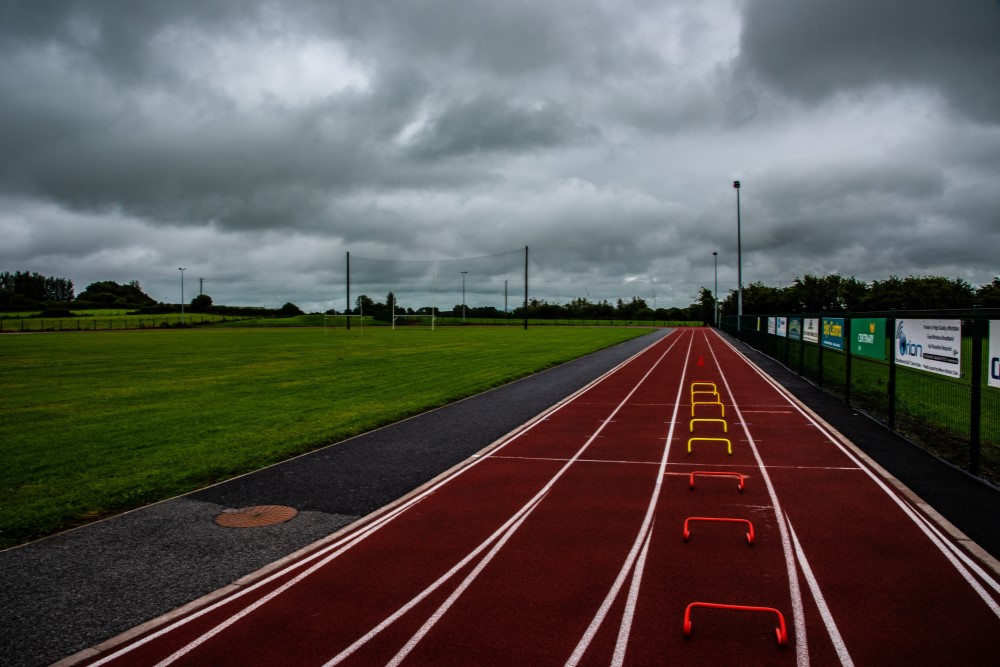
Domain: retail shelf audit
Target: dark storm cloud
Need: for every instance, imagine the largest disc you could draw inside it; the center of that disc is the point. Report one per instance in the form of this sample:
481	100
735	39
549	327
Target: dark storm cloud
269	137
816	48
491	123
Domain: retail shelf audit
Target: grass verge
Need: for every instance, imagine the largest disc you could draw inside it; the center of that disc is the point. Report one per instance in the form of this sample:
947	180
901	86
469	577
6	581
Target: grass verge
100	423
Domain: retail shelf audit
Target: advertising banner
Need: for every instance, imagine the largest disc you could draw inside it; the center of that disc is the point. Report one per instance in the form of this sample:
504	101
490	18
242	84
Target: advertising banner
934	346
868	337
770	325
810	330
993	368
795	328
782	327
833	332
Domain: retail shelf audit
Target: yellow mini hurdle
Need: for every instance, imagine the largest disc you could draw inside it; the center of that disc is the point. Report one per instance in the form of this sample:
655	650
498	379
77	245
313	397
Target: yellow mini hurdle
697	403
729	445
725	426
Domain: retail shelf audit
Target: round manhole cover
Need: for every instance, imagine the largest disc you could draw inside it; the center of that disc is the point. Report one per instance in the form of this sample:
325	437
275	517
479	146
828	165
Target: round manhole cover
259	515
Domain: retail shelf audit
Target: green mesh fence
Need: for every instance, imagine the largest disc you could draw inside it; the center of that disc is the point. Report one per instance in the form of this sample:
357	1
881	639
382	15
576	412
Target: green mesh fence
955	418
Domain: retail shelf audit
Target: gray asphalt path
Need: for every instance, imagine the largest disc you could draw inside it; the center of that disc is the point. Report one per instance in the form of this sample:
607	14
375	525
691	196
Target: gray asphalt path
72	591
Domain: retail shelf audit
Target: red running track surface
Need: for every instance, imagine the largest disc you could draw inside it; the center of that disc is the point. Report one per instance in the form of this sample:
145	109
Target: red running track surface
564	544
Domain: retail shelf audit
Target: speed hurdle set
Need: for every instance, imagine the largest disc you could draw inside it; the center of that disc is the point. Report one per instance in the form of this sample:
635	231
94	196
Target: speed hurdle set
706	395
708	410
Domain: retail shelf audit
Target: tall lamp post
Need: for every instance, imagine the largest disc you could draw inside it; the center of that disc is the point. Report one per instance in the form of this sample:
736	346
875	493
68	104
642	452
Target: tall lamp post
181	269
739	262
463	296
715	294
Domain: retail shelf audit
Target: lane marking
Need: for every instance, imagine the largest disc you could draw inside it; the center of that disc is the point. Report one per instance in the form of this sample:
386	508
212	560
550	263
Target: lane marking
641	537
824	610
618	658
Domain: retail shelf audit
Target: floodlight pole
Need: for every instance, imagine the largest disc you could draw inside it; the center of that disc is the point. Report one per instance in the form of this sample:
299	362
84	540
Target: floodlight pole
463	296
182	269
348	311
739	262
715	294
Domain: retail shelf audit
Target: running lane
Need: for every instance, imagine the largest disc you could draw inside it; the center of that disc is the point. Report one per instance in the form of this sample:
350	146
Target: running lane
564	544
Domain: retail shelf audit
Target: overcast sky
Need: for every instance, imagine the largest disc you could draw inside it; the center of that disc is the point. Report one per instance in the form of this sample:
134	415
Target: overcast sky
256	142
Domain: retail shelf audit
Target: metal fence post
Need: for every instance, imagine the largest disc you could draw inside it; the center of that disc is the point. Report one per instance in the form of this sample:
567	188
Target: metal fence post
820	352
976	379
890	331
847	360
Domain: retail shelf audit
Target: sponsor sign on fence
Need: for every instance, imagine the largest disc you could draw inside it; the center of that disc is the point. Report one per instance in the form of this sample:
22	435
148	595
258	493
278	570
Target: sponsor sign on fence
930	345
810	330
770	325
782	327
868	337
795	328
993	369
833	332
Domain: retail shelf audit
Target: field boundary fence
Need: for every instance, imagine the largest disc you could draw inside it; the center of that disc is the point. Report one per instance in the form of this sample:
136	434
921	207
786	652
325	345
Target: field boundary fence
110	322
931	376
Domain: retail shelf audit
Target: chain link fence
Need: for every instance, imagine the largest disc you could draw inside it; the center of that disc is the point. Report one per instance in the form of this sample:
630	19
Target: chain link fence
931	376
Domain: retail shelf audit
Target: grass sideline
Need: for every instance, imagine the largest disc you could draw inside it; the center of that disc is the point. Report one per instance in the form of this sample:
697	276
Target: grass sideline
98	424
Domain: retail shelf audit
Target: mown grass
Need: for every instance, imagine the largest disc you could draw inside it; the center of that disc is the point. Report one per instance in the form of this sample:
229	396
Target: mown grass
99	423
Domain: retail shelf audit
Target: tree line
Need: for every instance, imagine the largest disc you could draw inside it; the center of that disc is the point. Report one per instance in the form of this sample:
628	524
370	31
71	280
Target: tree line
577	309
54	297
814	294
22	287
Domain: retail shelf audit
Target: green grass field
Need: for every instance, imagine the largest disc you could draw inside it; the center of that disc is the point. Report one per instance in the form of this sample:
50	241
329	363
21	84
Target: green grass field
99	423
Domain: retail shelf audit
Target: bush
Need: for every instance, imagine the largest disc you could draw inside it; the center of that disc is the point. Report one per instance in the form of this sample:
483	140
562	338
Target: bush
290	310
56	312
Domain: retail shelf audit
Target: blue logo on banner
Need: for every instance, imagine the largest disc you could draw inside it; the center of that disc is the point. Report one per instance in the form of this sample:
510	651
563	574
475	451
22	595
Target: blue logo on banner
906	348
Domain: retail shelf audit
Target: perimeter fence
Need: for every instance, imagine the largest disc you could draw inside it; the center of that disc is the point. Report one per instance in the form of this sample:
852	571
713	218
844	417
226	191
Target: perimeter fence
931	376
110	323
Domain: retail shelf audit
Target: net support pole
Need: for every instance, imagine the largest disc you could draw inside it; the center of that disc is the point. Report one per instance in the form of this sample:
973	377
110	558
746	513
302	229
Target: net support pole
348	311
525	287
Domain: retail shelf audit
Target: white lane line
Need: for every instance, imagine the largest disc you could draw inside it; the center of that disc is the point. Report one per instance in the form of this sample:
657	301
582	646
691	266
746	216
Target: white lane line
943	545
515	520
988	580
502	534
633	597
824	610
440	611
798	615
641	537
341	545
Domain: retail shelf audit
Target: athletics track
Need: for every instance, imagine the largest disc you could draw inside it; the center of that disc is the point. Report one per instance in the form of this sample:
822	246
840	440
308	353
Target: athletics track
564	544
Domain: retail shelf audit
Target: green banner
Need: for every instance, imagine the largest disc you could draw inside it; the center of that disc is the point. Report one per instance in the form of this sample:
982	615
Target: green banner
868	337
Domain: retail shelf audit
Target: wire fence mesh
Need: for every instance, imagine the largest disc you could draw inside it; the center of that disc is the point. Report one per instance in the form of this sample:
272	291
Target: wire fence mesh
931	376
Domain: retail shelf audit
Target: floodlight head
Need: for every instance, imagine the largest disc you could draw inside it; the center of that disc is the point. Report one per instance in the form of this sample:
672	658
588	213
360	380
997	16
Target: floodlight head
736	184
715	254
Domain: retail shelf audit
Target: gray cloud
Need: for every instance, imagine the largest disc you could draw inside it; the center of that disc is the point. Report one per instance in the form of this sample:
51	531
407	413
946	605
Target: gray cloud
258	142
814	49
